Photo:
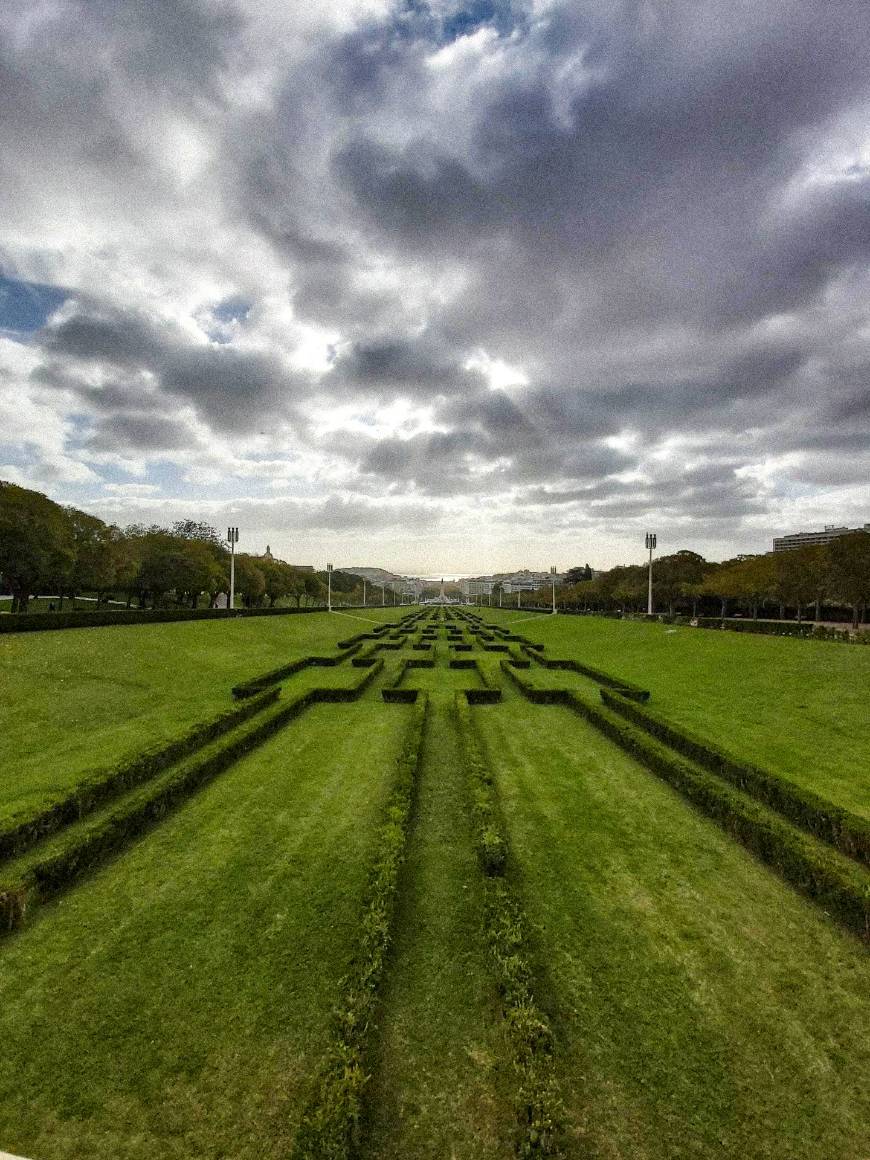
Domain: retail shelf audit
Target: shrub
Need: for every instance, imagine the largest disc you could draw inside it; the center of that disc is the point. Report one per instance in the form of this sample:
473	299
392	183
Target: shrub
330	1126
539	1107
50	621
100	786
840	828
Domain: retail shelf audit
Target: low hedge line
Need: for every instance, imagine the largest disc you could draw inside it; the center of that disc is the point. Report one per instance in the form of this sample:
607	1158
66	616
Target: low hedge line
330	1128
804	631
822	874
845	831
255	685
57	871
540	1112
393	695
51	621
100	786
634	692
54	873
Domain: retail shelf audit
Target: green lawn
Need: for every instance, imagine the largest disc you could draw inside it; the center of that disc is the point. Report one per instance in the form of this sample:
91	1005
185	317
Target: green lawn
439	1069
79	699
801	708
703	1008
176	1003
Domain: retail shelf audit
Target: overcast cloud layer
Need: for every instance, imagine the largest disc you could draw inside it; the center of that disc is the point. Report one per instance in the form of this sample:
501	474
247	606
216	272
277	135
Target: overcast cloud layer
440	286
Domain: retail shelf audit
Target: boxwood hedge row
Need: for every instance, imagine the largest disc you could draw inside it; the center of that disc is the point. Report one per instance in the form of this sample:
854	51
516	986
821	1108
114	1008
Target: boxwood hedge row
330	1128
824	875
100	786
627	688
86	847
50	621
845	831
256	684
104	835
540	1112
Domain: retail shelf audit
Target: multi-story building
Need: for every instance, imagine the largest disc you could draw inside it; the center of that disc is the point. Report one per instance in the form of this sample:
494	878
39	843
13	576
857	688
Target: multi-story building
482	586
807	539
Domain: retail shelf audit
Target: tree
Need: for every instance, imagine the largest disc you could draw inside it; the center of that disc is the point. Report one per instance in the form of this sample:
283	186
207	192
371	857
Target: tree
250	581
95	566
36	543
850	571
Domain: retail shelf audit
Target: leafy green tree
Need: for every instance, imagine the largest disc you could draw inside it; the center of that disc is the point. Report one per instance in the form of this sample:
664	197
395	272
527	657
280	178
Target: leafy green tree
850	571
36	543
250	580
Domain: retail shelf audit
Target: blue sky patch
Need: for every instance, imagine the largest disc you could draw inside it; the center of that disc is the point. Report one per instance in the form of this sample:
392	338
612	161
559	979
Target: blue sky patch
25	306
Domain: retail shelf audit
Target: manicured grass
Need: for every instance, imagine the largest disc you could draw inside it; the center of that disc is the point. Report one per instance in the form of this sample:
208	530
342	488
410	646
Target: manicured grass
80	699
176	1003
801	708
704	1009
436	1089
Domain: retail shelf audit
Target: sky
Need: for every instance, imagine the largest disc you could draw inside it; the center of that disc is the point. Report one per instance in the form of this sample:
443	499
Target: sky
438	286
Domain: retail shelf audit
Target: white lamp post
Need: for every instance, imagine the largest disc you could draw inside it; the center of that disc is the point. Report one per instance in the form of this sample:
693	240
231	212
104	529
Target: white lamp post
383	595
364	591
650	543
553	578
329	588
233	538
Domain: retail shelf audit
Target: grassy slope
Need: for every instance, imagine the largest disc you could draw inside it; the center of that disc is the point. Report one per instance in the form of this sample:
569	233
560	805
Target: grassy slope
435	1091
79	699
176	1003
799	707
708	1010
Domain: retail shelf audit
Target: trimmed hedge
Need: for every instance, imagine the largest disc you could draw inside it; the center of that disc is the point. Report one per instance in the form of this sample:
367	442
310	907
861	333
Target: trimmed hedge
845	831
330	1128
635	692
51	621
100	786
807	630
256	684
105	836
822	874
540	1112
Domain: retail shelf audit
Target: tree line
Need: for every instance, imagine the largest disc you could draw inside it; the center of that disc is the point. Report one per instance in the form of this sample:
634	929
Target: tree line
797	583
49	548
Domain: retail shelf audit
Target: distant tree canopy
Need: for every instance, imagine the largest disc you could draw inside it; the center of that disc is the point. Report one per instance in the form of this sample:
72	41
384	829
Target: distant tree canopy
48	548
836	575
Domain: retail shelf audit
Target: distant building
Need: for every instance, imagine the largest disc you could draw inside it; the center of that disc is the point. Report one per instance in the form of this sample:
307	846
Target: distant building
480	587
808	539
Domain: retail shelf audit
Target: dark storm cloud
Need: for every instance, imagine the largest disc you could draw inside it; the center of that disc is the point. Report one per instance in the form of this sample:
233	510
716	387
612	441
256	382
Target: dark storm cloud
139	432
230	389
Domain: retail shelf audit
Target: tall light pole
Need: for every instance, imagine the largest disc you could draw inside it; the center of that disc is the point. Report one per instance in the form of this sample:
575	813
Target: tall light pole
519	594
233	538
650	543
383	595
500	594
364	591
553	578
329	588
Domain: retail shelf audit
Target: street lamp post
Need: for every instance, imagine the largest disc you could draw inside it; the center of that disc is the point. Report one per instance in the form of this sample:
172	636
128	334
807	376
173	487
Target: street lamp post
383	595
519	595
364	591
650	543
553	578
233	538
329	588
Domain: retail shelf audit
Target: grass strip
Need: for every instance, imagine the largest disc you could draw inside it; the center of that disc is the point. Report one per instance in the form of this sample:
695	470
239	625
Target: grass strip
820	873
540	1111
100	786
330	1126
833	824
48	874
